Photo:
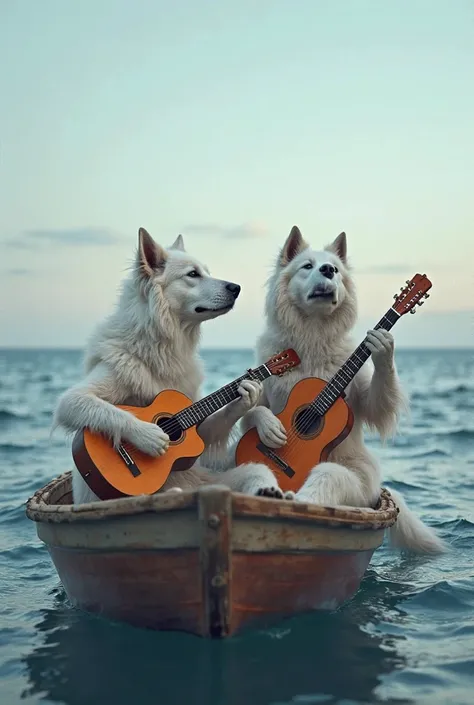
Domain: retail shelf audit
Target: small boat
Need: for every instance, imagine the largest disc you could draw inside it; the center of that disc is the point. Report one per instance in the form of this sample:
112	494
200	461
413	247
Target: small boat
209	562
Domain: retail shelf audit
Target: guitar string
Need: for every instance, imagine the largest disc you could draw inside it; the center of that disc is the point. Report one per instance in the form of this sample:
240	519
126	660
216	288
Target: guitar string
192	415
213	402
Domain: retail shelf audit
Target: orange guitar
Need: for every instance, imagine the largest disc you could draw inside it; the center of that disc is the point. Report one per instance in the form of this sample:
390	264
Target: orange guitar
119	472
316	417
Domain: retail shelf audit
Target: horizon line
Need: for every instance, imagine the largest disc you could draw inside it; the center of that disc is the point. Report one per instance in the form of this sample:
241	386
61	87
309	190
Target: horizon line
75	348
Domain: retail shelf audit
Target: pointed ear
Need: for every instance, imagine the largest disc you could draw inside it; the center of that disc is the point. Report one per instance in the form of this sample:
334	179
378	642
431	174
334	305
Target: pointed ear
151	256
339	247
293	246
178	244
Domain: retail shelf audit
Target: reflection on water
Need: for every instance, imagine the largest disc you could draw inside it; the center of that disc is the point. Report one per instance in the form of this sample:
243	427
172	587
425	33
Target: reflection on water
84	659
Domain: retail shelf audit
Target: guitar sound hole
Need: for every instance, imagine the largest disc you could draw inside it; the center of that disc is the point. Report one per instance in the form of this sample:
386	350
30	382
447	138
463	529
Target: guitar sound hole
171	427
307	423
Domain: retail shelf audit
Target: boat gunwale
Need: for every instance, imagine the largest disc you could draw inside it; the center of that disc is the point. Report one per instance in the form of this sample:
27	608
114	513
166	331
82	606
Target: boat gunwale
41	509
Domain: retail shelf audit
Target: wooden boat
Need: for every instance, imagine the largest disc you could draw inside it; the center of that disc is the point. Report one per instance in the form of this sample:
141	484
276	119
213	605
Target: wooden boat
209	562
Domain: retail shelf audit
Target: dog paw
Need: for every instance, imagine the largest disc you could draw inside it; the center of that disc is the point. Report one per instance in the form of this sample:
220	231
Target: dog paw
250	391
289	494
271	430
149	438
175	490
381	346
274	492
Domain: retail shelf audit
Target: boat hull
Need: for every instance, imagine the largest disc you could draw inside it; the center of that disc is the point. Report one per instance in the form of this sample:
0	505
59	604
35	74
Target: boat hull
210	562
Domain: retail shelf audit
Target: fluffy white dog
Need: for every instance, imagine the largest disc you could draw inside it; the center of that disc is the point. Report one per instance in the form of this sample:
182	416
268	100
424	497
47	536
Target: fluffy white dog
311	305
149	344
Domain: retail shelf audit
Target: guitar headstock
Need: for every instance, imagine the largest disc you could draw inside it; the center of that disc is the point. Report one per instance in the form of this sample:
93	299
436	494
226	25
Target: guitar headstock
284	361
412	294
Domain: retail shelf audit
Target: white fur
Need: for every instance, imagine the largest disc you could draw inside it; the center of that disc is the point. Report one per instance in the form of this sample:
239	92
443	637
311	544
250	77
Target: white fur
147	345
319	330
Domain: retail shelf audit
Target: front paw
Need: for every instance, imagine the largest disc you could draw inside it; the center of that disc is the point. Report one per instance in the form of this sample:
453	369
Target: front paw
250	391
275	493
381	346
270	429
149	438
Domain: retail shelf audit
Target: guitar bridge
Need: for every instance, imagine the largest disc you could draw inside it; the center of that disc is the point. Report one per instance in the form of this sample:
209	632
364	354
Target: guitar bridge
270	453
129	461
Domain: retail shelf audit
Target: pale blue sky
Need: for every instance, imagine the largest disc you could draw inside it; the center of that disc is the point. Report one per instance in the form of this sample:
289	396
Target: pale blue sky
230	122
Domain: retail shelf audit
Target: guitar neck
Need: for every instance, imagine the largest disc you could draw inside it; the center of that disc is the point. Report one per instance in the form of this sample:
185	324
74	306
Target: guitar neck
200	410
337	384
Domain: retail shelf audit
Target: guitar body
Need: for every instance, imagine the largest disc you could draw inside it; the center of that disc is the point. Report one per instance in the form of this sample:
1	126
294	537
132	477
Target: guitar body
107	474
307	443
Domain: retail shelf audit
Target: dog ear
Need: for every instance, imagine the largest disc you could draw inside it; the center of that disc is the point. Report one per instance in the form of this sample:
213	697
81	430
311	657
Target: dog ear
293	246
339	247
178	244
151	256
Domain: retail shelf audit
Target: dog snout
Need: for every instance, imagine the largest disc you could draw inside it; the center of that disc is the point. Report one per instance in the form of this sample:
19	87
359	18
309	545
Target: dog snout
233	288
327	270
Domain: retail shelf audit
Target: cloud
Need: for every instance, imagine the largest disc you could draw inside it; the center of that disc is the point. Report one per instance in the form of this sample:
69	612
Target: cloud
18	272
31	239
245	230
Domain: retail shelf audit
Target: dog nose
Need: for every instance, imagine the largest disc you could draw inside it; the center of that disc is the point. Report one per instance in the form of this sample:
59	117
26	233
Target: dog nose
233	288
327	270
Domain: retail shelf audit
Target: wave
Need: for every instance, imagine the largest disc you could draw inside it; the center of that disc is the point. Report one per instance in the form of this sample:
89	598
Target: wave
10	415
460	524
461	433
443	393
409	452
14	447
453	592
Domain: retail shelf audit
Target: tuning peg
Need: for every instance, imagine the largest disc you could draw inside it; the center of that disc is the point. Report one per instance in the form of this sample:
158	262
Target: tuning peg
427	296
420	303
407	282
401	288
413	310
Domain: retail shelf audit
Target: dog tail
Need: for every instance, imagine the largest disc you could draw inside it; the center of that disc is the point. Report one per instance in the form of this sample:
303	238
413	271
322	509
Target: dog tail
409	533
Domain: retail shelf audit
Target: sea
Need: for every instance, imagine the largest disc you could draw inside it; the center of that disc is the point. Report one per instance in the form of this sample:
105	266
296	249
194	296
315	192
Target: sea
407	636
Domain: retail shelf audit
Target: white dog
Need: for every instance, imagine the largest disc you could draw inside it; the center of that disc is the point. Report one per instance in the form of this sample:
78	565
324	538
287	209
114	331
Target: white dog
311	306
149	344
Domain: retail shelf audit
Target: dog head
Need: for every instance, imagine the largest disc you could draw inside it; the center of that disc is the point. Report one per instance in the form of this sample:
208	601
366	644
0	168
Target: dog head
180	284
313	283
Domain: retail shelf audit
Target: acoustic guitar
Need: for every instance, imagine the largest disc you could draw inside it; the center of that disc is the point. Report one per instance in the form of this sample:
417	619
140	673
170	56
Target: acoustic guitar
316	417
122	471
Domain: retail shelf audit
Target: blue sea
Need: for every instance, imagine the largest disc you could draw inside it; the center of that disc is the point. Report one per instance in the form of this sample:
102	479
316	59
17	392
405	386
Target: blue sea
406	637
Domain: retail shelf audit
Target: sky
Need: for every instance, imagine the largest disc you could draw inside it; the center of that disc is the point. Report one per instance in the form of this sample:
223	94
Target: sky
230	122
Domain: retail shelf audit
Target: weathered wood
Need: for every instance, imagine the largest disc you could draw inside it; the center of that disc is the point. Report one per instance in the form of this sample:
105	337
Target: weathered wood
157	590
272	586
215	515
209	562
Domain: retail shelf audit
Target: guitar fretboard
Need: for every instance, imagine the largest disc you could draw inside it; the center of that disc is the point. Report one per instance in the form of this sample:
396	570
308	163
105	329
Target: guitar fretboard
337	384
197	412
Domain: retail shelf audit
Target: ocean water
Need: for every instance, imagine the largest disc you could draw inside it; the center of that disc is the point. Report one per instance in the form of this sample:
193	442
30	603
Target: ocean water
406	637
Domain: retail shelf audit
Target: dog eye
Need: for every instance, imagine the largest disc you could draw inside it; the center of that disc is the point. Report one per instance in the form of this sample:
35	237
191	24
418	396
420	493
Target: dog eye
193	273
308	265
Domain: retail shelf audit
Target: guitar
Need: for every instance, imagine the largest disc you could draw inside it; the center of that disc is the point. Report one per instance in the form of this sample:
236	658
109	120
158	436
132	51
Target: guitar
316	417
125	471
